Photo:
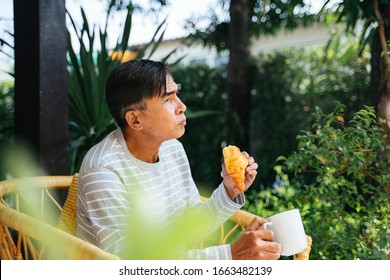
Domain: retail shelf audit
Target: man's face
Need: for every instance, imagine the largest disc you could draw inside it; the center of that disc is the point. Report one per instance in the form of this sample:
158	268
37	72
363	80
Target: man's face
164	117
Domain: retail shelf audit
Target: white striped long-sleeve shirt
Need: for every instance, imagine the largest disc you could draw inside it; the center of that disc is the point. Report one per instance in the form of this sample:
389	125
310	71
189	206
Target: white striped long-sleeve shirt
112	181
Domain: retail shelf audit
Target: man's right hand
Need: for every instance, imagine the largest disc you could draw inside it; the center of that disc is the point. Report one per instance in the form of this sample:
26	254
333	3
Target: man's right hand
255	243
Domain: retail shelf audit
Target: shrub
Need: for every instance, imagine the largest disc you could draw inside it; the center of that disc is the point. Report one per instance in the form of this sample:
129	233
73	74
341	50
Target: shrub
288	85
339	179
6	110
7	119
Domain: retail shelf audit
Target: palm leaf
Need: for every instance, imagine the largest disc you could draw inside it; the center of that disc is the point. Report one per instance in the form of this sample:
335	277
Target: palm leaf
126	29
142	52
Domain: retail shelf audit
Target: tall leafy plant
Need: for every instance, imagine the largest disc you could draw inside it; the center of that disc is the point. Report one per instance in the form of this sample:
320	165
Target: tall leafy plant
89	68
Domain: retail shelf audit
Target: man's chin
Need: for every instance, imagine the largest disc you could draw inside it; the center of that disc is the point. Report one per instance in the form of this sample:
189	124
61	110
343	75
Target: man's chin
180	135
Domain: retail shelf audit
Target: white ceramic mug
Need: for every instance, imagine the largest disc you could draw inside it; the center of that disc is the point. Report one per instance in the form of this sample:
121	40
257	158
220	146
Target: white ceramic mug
288	231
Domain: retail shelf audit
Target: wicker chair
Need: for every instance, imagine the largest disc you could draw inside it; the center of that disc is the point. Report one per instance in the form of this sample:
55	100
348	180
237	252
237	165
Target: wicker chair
24	236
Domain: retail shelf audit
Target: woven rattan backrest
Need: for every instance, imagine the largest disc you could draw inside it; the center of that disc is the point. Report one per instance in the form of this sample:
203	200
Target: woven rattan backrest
67	220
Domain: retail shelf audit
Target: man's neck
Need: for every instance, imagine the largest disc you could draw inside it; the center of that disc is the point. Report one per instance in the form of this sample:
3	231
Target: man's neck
143	149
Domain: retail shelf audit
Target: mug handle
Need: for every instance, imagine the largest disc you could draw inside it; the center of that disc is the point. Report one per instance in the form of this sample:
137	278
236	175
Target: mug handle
266	225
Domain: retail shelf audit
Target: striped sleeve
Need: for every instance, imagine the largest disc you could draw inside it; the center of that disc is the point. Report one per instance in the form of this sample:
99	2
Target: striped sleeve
222	252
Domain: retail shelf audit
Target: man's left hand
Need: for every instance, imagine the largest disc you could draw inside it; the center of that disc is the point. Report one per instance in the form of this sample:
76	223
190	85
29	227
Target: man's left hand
250	175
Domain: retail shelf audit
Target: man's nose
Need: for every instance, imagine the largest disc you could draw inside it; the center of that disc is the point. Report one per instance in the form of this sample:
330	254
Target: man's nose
181	107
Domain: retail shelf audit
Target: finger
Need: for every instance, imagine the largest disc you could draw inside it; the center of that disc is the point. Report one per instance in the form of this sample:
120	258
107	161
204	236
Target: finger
273	247
252	166
250	177
224	169
251	159
256	224
251	173
267	235
269	255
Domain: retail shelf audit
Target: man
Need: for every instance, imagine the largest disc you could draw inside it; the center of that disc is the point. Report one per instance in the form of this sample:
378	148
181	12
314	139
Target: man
143	158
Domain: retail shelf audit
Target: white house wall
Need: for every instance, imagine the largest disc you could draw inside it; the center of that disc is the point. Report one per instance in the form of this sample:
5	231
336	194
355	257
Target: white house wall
299	38
197	53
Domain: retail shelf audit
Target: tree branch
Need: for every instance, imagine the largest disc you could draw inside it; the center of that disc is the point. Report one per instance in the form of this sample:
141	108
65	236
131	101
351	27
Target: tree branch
382	34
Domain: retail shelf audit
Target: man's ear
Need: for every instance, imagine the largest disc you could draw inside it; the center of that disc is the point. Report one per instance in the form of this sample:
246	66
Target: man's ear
132	119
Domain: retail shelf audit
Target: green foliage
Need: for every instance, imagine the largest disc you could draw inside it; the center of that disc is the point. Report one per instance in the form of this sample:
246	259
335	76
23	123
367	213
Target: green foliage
356	16
266	18
6	110
339	179
295	82
287	86
173	238
6	123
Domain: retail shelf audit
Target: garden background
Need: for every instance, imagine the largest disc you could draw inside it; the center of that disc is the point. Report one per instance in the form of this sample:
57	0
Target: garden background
312	127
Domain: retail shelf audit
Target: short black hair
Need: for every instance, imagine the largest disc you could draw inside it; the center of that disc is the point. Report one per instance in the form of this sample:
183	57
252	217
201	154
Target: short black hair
132	83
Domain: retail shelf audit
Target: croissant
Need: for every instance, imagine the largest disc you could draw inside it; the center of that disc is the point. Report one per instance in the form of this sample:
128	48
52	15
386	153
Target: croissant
235	162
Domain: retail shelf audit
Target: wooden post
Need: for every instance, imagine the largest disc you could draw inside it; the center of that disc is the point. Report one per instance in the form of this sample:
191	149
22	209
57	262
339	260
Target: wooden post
41	114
